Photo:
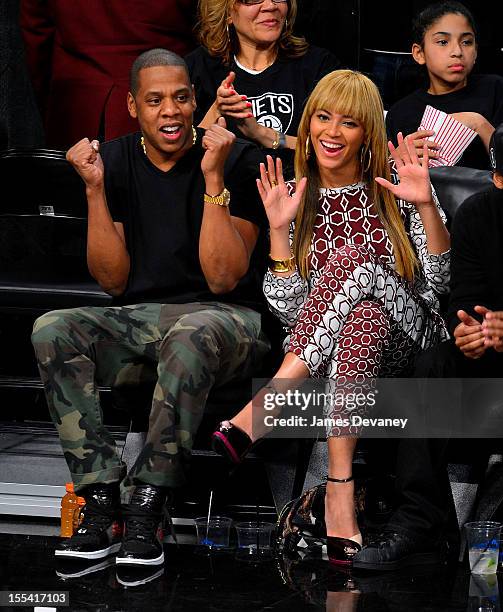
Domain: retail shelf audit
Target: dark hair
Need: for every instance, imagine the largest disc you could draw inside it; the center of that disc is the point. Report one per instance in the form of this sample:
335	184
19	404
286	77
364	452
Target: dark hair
432	13
152	58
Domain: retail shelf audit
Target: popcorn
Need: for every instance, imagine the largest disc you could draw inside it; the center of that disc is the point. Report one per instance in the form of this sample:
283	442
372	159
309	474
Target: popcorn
452	136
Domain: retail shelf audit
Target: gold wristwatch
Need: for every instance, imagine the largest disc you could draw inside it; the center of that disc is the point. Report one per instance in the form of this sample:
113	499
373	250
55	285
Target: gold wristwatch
279	141
221	199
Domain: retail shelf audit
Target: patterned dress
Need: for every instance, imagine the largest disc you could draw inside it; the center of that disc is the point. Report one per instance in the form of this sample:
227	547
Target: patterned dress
355	317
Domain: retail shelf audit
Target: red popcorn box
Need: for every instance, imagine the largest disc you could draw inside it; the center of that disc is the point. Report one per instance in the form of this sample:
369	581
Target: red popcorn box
452	136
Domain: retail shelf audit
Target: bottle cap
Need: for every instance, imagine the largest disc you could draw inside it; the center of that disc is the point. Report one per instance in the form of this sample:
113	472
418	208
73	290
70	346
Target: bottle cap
69	487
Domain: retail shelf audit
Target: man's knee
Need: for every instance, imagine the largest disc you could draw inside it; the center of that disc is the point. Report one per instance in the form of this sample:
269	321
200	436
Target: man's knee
211	336
49	326
197	334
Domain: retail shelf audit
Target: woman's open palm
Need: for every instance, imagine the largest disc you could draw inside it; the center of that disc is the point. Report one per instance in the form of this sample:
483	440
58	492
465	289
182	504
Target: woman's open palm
280	207
413	173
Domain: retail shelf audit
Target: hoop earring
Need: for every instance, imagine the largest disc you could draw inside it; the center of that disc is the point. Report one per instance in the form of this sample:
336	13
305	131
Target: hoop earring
362	155
308	147
194	136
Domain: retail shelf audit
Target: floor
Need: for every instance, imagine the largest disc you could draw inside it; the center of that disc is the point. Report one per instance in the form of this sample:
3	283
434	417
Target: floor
193	581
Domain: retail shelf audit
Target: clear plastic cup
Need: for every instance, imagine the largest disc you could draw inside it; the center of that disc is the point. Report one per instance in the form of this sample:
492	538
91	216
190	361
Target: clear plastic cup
254	538
483	593
215	533
483	539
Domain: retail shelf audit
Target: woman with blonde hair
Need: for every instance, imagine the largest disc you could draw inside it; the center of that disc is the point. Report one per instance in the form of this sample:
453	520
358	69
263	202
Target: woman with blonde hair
253	71
359	252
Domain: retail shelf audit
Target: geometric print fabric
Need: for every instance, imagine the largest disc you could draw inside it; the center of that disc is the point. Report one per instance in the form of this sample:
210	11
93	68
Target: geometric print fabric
355	315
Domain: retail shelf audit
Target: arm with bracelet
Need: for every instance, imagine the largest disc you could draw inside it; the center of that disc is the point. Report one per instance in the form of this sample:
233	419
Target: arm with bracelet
225	242
281	209
284	288
230	103
266	137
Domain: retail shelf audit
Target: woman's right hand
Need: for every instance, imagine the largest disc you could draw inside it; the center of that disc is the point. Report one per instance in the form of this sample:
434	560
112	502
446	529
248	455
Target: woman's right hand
229	103
280	207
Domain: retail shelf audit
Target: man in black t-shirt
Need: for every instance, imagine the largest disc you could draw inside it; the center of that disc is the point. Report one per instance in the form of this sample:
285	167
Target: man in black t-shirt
173	221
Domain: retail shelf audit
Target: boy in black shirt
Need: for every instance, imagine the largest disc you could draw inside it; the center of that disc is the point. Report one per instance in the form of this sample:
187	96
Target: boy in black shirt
173	220
476	306
425	514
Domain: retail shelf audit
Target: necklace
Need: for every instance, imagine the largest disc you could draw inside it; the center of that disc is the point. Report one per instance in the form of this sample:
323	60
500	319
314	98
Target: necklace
254	70
194	140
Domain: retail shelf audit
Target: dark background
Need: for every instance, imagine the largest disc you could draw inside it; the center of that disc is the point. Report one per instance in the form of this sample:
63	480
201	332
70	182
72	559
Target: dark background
346	27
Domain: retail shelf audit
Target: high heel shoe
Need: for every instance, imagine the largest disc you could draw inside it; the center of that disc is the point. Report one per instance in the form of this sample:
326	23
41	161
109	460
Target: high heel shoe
231	442
341	551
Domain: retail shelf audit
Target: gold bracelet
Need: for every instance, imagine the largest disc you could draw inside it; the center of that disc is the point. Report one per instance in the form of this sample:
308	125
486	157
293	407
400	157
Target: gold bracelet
276	141
222	199
282	265
279	141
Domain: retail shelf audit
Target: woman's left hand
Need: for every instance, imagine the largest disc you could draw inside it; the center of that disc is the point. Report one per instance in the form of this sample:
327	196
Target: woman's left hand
413	173
231	104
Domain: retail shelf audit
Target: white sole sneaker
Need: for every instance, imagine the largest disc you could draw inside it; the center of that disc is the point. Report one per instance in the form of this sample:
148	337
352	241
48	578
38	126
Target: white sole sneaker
131	582
130	561
95	554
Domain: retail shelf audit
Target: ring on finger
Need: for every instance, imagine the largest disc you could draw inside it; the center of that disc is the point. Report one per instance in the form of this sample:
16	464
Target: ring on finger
274	183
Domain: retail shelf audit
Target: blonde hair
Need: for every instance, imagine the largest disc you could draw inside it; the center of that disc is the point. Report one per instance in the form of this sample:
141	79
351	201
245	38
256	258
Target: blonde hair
220	39
353	94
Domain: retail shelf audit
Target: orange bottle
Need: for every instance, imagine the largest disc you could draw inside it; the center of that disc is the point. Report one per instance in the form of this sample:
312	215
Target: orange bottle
79	515
69	508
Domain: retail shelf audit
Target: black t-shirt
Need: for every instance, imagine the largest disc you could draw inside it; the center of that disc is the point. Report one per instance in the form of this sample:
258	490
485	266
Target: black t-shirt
477	255
483	94
162	215
278	94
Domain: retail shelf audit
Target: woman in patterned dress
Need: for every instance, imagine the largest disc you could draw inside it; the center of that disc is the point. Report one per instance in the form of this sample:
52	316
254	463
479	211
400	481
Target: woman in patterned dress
357	259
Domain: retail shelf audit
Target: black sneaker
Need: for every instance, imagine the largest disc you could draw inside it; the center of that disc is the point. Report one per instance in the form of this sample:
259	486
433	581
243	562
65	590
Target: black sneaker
77	568
390	551
137	575
143	518
100	532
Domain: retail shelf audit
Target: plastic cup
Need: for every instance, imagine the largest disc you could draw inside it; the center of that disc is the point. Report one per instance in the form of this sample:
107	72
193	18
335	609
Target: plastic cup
483	593
213	534
483	539
254	538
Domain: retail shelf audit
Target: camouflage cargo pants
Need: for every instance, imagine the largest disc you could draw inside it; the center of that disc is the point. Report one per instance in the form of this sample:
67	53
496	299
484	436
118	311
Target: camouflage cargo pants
188	347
